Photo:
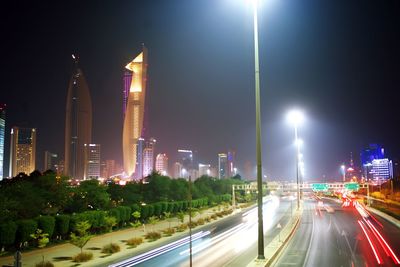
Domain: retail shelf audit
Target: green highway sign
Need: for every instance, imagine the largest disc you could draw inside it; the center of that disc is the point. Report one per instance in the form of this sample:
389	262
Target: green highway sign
352	186
319	187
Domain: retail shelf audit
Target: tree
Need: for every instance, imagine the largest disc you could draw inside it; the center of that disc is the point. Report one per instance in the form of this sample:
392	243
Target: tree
82	237
157	188
89	195
110	223
41	238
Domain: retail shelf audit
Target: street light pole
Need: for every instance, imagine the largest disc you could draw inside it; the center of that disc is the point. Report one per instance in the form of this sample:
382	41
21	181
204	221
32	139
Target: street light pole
297	165
258	138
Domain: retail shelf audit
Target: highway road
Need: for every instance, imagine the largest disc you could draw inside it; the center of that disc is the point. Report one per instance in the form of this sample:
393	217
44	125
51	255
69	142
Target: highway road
230	242
332	235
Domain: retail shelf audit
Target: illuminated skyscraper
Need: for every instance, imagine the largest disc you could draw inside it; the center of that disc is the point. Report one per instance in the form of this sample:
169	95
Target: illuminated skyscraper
222	165
162	164
92	161
2	137
134	114
148	157
22	150
186	158
177	170
139	158
78	123
231	163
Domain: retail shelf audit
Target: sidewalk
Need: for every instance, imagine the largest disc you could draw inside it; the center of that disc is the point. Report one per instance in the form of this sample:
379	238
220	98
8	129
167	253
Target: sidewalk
60	255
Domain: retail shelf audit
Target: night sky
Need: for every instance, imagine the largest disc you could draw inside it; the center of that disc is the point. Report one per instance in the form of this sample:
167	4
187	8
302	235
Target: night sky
339	61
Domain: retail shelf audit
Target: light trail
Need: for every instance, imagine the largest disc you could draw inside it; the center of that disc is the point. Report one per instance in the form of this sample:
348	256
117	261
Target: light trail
159	251
378	259
392	254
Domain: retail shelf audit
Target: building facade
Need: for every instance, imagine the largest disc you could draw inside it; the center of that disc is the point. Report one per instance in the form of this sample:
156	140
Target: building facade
222	165
78	124
134	113
177	170
162	164
50	161
2	138
92	161
22	151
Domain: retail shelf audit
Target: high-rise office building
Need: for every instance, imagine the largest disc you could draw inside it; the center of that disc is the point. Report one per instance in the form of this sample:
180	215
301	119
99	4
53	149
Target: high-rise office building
373	151
204	169
379	170
162	164
231	163
177	170
108	168
222	165
148	157
22	150
50	161
141	144
2	137
186	158
134	113
92	161
78	123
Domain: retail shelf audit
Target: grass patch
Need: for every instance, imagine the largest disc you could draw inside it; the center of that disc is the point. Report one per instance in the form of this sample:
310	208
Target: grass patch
82	257
200	221
44	264
214	216
134	242
169	231
152	236
111	248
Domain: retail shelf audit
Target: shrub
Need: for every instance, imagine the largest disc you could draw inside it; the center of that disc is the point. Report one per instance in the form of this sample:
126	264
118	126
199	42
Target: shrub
62	224
169	231
200	221
110	223
47	224
152	236
182	227
8	231
82	257
25	229
134	242
111	248
193	224
207	219
44	264
214	216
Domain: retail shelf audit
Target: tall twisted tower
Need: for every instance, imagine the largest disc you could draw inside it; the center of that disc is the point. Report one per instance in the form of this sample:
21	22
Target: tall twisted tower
134	112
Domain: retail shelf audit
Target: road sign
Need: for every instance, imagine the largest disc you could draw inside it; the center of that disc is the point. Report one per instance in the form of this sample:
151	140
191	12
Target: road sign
320	187
352	186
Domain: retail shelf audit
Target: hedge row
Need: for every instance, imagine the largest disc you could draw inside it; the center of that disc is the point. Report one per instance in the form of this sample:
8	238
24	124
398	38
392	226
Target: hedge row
60	226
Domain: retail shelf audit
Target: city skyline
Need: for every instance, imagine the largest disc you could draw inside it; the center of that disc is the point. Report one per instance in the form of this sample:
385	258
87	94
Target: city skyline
207	90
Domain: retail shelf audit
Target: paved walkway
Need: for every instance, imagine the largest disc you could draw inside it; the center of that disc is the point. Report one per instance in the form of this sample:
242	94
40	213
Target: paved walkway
60	255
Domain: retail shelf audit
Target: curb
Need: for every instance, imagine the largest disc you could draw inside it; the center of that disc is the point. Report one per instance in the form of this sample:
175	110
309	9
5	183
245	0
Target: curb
385	216
284	243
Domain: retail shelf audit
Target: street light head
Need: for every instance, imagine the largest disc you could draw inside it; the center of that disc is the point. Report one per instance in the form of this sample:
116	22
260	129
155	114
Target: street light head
299	142
295	117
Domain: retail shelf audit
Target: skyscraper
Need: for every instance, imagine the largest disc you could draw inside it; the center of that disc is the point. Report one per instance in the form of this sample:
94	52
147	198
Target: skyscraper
78	123
134	114
22	150
177	170
2	137
162	164
50	161
222	165
148	157
139	158
92	161
231	163
186	158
